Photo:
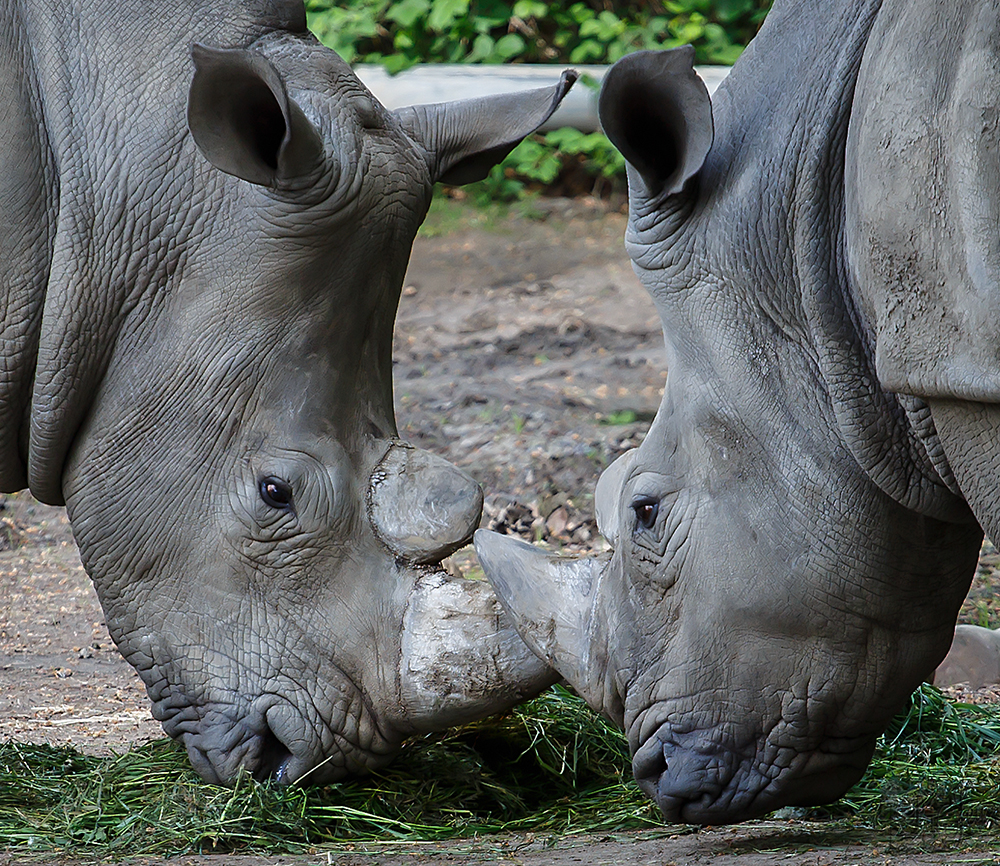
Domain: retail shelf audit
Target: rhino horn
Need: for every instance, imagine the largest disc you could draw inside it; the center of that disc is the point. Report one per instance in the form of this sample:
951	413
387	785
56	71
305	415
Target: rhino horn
552	602
461	658
422	507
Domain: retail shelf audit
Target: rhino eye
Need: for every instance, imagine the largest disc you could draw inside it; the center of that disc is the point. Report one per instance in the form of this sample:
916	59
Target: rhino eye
645	512
276	492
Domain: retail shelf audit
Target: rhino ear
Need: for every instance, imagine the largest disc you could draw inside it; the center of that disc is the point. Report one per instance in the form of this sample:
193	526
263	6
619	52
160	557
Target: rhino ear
608	494
244	123
465	139
657	112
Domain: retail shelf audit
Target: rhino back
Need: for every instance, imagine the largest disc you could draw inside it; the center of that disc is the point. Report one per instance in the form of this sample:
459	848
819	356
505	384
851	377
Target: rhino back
110	199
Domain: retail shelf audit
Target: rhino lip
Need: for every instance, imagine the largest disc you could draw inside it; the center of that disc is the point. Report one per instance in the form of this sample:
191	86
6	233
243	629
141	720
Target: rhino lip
269	740
694	778
257	750
684	782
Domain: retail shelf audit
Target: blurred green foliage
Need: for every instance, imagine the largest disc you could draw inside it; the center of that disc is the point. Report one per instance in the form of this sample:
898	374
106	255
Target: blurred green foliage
400	33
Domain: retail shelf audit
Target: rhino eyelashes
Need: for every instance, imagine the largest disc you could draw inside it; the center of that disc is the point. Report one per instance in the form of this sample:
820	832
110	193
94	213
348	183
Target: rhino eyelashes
276	492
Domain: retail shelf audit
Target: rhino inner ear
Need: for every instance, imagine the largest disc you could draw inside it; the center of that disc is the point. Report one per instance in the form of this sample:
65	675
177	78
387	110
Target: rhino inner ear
465	139
657	112
244	123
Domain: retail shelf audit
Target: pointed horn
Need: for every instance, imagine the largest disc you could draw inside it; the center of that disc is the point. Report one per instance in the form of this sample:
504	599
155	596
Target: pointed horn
461	658
551	601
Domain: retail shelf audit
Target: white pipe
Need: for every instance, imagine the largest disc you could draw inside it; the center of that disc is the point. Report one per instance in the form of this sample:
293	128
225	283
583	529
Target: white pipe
444	82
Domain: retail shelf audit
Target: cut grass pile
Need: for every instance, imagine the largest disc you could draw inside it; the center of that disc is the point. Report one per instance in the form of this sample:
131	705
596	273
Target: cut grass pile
551	766
937	763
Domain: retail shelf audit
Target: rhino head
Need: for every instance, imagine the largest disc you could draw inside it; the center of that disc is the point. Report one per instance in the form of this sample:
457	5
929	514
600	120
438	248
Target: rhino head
790	548
216	411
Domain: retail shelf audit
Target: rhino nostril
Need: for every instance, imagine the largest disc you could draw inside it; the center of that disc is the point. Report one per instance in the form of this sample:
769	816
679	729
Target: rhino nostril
648	767
273	759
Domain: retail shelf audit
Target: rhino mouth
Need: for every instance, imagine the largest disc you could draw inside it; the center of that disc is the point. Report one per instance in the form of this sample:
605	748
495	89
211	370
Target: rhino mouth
257	751
272	740
455	658
703	778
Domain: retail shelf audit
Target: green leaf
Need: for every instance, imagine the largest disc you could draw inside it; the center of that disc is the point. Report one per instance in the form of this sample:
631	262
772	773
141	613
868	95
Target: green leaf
580	12
586	51
444	12
725	56
530	9
396	63
482	48
731	10
690	31
406	12
509	46
402	42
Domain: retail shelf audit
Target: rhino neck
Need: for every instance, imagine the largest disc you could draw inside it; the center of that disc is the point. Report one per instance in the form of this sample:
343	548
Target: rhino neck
912	470
776	175
27	189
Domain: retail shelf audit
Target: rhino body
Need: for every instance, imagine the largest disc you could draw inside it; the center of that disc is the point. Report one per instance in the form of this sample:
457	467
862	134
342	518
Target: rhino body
794	537
205	224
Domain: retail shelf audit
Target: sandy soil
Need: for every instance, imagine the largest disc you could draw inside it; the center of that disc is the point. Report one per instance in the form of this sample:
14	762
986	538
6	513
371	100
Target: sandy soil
527	353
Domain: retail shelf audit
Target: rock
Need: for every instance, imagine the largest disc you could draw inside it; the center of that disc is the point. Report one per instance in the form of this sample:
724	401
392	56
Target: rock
973	660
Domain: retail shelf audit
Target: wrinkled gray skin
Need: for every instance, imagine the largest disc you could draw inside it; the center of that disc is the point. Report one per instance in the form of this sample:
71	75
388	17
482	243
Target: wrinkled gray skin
204	228
793	539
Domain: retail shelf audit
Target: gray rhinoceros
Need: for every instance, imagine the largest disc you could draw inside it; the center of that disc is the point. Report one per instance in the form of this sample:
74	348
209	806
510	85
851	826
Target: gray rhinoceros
793	538
200	268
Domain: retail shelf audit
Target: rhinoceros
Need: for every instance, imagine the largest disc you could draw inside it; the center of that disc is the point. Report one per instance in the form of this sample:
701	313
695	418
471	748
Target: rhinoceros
205	224
793	539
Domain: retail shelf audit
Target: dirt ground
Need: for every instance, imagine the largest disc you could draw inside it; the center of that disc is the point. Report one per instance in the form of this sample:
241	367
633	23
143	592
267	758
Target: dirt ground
526	352
762	843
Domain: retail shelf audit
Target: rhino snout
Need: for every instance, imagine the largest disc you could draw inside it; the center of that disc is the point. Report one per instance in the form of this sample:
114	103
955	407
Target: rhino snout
703	777
272	741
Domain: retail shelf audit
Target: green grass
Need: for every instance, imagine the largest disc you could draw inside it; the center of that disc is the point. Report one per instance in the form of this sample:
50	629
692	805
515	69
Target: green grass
551	766
938	764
